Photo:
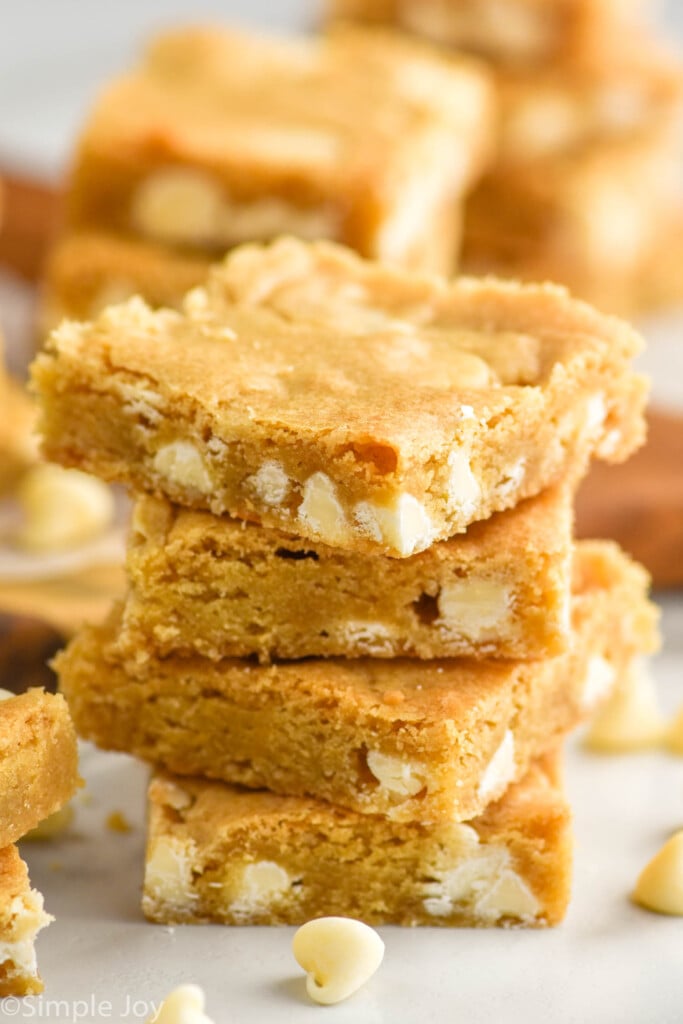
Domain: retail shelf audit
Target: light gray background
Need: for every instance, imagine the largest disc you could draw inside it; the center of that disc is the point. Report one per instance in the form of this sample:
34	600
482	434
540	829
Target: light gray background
55	53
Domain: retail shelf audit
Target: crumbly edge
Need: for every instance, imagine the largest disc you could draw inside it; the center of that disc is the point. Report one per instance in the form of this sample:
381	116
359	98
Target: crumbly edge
216	853
21	918
38	761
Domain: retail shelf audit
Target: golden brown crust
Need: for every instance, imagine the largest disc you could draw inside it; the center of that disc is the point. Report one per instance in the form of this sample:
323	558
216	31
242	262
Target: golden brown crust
408	738
328	861
437	404
38	761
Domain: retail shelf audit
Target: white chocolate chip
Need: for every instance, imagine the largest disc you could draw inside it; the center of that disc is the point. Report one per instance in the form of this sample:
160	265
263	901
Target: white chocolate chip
473	607
261	884
660	885
509	896
510	482
62	508
168	873
463	487
339	955
270	483
321	509
500	771
184	1005
181	463
401	778
631	719
596	413
370	638
177	205
403	525
600	679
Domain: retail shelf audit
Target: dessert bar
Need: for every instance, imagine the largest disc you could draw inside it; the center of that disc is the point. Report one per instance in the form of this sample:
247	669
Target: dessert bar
38	761
220	137
219	853
340	400
416	740
223	588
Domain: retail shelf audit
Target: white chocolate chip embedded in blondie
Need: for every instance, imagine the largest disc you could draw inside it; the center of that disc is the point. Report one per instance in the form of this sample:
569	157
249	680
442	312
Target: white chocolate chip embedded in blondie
347	402
510	866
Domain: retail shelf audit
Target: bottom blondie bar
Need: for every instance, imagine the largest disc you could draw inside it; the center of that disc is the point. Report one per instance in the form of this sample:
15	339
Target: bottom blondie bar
219	853
21	918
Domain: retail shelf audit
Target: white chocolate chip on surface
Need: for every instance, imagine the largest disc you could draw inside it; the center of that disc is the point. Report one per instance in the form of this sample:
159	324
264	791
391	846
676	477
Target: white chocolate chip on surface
631	719
339	955
473	607
184	1005
62	508
182	464
500	771
401	778
270	483
660	885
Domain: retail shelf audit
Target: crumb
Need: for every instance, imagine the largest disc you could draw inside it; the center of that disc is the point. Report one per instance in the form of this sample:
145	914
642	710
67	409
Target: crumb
118	822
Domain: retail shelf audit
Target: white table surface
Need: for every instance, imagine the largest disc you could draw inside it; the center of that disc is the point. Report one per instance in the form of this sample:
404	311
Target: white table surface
609	963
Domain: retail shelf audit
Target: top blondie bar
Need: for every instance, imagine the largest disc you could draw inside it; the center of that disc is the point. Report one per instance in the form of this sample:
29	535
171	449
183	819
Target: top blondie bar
340	400
507	31
221	137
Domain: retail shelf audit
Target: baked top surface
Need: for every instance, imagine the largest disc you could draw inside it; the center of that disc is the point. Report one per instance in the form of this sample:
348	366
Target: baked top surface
220	95
261	348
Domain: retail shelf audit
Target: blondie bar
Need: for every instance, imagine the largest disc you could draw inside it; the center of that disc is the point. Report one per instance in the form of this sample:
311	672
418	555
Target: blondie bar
343	401
21	918
594	219
508	31
89	270
220	138
423	740
38	761
219	853
224	588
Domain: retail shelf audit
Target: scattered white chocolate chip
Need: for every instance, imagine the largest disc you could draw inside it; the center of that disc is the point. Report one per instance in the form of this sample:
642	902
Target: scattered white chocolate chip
631	719
473	607
463	486
182	464
402	778
500	771
339	955
62	508
600	678
270	483
321	509
184	1005
660	885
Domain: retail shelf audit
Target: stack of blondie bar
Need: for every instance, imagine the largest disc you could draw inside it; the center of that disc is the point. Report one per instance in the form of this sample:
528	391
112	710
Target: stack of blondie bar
586	187
357	629
218	138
